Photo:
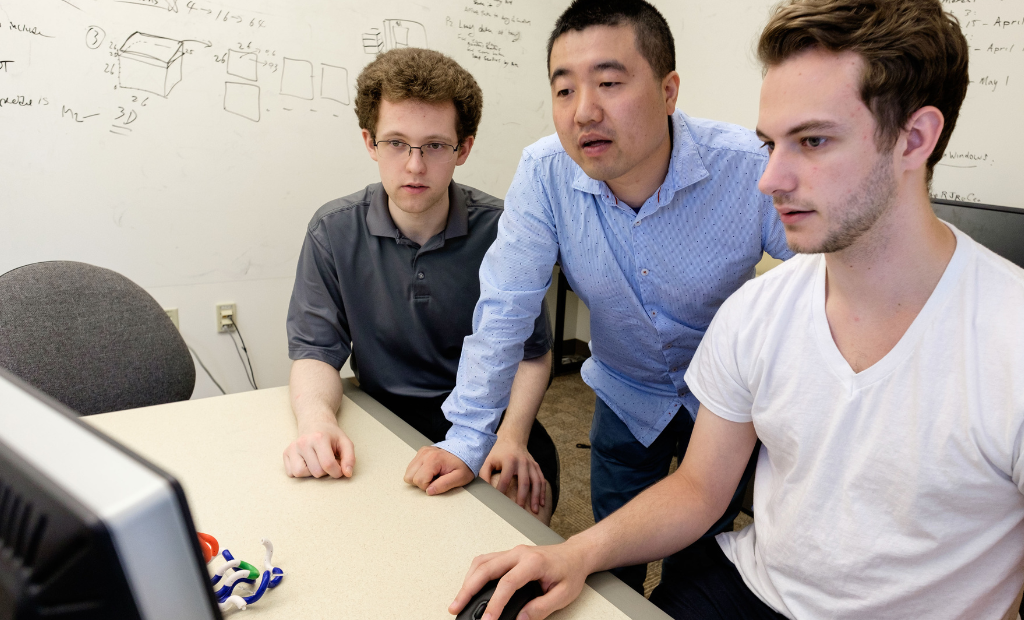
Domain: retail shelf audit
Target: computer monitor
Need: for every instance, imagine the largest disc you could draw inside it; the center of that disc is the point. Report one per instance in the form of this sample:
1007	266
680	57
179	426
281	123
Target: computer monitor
1000	229
89	530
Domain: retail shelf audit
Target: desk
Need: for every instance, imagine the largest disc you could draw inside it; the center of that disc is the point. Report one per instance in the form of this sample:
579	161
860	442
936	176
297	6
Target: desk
360	548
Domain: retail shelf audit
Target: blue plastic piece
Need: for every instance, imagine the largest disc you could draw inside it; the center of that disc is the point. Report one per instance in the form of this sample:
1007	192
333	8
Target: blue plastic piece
258	594
276	579
223	594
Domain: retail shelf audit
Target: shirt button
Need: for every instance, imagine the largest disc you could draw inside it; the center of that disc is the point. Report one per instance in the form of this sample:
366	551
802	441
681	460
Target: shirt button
654	313
636	223
681	392
675	368
668	346
644	271
420	275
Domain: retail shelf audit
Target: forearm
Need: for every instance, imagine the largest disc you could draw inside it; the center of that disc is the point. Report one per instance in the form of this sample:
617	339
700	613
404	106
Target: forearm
678	510
663	519
528	387
315	391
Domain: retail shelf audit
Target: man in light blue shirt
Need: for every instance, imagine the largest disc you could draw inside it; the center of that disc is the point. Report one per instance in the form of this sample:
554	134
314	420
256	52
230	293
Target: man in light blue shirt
655	219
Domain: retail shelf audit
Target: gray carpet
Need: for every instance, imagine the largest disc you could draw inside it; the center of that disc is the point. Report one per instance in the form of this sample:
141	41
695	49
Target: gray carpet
566	413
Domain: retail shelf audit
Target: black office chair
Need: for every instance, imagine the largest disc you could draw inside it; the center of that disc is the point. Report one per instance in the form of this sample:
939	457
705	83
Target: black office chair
91	338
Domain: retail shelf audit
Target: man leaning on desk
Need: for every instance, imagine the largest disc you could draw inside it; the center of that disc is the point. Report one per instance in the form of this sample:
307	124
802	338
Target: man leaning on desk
654	217
389	275
883	368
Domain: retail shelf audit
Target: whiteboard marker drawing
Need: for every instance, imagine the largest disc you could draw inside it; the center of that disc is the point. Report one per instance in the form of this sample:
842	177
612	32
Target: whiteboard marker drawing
334	84
150	63
373	42
297	78
94	37
243	64
243	100
401	33
397	34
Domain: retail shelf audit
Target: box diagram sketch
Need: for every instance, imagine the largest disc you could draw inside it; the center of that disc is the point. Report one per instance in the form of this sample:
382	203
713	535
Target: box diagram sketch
373	42
399	33
242	99
243	64
297	78
334	84
150	63
396	34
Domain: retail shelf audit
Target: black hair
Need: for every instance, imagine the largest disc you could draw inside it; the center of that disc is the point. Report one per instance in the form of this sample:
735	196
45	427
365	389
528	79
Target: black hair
653	37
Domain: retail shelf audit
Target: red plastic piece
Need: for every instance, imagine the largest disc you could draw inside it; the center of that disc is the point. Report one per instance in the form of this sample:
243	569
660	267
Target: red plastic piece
209	545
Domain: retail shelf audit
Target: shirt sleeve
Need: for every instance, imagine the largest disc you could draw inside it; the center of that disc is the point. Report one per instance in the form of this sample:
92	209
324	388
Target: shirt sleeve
540	340
514	275
715	375
317	324
773	233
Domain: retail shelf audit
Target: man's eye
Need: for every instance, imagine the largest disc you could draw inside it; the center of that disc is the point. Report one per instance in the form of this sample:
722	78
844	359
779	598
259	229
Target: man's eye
397	144
607	84
814	142
434	146
770	146
563	93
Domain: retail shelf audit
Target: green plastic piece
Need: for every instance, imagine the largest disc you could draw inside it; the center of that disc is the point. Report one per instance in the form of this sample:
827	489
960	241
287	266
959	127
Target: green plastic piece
253	573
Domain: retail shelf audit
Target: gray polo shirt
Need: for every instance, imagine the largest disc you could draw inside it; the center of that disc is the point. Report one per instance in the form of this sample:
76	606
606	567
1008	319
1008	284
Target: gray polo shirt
405	308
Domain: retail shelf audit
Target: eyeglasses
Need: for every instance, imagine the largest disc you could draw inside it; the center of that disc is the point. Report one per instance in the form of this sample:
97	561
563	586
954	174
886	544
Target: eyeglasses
433	152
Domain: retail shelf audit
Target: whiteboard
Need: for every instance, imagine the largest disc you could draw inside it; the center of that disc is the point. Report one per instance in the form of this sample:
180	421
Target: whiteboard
189	141
184	142
716	46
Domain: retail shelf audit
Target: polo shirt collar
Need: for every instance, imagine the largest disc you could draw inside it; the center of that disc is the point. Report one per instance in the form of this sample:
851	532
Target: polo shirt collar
684	167
380	223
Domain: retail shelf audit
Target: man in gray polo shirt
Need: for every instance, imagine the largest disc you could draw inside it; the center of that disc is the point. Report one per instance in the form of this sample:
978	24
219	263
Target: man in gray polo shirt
390	276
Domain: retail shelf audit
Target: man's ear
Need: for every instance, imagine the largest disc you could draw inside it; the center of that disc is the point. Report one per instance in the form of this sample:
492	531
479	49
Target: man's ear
368	141
920	136
464	149
670	90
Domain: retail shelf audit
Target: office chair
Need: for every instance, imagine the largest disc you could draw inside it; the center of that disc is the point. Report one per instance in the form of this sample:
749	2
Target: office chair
91	338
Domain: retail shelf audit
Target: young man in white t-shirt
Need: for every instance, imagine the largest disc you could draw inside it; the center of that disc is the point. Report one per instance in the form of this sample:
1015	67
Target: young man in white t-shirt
883	370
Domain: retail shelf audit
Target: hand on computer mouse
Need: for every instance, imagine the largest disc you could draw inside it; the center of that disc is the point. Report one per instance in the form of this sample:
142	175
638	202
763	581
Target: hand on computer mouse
559	570
477	605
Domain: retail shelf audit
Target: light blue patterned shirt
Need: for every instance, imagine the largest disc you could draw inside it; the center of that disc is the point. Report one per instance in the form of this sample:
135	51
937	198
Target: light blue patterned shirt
652	279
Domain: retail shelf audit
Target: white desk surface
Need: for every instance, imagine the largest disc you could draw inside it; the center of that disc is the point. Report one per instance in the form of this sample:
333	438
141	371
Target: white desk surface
360	548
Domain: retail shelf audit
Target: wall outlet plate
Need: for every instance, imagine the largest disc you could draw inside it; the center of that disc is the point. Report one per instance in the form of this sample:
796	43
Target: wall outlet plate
226	314
172	314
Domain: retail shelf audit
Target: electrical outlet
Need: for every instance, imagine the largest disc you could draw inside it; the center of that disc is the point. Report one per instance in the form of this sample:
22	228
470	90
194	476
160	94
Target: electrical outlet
226	314
172	314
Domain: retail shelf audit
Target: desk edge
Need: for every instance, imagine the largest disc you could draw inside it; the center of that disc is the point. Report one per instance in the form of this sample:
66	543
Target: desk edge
607	585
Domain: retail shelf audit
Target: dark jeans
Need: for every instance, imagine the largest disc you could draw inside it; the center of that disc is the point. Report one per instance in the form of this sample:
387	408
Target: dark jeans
621	467
425	415
707	586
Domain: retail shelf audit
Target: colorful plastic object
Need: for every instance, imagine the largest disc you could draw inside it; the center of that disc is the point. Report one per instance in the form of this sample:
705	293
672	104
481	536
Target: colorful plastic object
229	578
209	545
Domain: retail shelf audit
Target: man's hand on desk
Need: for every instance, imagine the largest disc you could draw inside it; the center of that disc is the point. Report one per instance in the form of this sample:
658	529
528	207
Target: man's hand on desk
560	569
430	463
512	460
322	449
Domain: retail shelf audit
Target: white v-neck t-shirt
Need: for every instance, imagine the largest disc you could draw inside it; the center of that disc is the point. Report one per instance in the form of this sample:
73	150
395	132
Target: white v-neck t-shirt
895	492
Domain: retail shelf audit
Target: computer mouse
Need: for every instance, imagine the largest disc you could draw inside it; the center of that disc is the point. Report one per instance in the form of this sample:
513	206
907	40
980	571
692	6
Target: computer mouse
474	609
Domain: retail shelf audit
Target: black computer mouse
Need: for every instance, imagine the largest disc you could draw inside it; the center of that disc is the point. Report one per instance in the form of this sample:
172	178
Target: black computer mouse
474	609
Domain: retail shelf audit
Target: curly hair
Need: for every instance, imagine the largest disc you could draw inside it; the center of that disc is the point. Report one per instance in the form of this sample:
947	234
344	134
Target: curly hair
422	74
914	56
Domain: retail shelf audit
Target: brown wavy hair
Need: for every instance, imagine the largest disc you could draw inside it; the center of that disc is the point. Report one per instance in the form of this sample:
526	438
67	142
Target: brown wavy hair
413	73
914	56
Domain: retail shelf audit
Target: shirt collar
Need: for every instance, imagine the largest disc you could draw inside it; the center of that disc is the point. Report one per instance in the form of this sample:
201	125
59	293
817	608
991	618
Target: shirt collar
684	167
379	222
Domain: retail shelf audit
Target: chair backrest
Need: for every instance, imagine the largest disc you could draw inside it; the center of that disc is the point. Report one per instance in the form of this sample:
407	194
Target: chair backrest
91	338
